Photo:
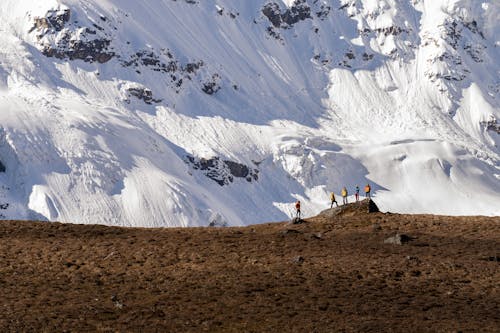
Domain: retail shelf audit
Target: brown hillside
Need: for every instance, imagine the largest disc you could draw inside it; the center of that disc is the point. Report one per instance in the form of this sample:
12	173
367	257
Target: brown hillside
329	274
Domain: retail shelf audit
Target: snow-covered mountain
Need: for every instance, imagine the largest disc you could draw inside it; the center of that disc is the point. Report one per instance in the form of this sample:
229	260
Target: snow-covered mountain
191	112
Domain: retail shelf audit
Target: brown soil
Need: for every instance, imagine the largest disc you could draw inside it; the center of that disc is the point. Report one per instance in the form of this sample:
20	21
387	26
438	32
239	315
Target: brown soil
327	274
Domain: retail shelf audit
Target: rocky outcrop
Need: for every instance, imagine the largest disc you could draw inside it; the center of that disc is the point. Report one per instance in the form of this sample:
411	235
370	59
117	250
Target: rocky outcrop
491	125
59	38
223	172
143	94
398	239
96	50
54	19
161	61
362	207
299	11
212	85
464	39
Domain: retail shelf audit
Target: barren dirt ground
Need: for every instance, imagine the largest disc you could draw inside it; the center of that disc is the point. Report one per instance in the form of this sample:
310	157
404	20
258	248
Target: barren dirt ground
324	275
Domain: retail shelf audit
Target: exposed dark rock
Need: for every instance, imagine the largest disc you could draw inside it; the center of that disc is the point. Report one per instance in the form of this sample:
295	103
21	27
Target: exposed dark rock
192	67
398	239
452	29
392	30
372	206
367	57
59	39
475	52
472	26
323	12
350	55
2	167
273	13
163	61
299	11
143	94
491	125
58	18
4	206
55	19
237	169
222	171
212	85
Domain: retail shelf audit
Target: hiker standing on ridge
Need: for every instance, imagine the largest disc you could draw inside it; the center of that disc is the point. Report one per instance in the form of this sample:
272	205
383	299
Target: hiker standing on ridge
356	194
367	191
344	195
297	207
332	199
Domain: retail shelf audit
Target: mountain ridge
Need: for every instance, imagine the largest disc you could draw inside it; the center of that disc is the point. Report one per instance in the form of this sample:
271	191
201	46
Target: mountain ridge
105	106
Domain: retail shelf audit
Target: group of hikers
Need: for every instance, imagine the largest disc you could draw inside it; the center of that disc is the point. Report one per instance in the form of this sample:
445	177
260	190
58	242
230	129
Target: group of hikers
344	194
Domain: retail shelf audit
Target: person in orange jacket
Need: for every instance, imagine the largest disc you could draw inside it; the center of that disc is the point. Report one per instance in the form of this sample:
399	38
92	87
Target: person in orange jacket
297	208
367	191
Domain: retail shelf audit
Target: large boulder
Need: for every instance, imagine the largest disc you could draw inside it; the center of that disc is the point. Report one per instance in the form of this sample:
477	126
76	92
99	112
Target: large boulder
362	207
398	239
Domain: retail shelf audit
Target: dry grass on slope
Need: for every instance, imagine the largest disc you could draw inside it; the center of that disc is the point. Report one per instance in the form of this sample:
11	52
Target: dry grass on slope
326	274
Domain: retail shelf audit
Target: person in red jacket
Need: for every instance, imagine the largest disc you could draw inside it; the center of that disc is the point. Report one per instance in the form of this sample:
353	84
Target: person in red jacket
297	208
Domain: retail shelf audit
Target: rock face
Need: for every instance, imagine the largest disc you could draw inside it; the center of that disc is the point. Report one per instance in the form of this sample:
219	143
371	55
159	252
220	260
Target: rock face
362	207
299	11
143	94
491	125
223	172
59	38
212	85
162	61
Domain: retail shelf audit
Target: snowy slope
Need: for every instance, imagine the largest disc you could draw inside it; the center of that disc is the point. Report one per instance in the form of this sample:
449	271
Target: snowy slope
176	113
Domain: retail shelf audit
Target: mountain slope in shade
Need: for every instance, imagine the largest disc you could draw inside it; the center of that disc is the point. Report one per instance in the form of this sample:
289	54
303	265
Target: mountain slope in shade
167	113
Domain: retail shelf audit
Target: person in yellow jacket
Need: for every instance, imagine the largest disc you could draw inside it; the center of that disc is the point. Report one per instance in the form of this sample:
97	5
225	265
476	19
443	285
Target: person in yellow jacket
332	199
344	195
367	191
